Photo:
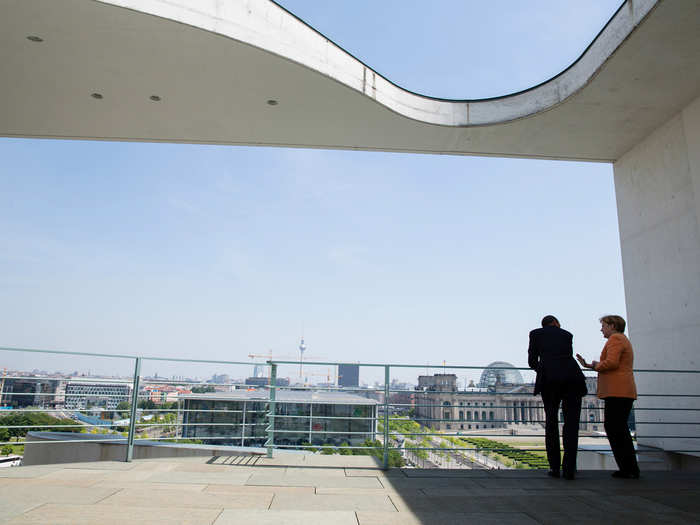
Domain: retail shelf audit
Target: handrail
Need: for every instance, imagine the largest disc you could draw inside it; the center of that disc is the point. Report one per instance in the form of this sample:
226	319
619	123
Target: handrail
261	419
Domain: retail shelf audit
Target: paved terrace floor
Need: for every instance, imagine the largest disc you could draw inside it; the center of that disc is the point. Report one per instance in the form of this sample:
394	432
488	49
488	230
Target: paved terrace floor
340	490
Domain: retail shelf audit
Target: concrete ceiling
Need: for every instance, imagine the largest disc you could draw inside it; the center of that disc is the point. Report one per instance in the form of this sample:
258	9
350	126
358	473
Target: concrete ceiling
215	65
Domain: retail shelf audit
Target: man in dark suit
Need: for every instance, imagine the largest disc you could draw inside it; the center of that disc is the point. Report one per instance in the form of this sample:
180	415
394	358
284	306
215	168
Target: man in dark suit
560	381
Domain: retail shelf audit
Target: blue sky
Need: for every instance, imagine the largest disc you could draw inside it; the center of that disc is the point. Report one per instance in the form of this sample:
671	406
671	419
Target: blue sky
214	252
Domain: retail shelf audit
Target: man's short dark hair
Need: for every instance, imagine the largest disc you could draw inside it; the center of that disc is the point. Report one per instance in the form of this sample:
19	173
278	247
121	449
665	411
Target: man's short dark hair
549	320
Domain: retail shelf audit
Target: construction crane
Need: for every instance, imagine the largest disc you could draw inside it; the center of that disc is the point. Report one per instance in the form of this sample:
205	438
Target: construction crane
270	357
328	376
267	357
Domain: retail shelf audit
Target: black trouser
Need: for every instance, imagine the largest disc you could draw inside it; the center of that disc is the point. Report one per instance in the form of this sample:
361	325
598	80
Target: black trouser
617	412
571	407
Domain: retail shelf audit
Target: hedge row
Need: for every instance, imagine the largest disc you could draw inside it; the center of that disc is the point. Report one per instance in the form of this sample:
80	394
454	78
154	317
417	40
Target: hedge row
521	456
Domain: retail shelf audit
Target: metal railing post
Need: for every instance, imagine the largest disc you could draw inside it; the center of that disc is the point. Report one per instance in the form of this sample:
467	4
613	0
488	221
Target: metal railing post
386	416
271	410
132	418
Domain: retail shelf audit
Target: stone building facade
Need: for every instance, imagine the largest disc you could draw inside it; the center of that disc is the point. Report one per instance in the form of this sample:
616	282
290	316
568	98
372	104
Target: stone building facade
442	406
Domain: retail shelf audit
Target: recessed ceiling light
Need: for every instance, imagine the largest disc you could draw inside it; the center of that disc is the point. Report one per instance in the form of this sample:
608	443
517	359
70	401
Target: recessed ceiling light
154	98
35	38
98	96
272	102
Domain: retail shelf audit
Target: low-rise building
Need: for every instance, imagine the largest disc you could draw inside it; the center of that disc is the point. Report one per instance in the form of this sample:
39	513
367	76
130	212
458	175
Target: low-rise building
42	392
83	395
301	416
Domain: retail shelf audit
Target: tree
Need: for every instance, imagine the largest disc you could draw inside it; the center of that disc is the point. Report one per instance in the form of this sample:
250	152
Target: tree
39	421
6	450
124	408
146	404
203	389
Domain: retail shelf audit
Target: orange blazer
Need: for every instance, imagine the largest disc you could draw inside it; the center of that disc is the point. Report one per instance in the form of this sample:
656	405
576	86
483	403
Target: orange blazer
615	377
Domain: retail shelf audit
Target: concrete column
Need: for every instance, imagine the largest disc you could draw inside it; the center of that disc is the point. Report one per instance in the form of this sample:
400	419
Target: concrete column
657	183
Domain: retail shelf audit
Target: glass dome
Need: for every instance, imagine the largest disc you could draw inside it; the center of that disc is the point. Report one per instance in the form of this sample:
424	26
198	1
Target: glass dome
500	373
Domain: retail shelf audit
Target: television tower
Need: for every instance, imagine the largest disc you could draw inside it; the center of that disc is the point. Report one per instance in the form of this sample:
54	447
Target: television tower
302	349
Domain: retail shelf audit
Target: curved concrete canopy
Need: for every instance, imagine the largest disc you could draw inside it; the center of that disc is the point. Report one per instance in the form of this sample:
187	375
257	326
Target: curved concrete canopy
214	65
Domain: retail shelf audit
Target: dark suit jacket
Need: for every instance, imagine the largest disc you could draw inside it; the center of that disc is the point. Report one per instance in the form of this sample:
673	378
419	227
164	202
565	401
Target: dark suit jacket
551	355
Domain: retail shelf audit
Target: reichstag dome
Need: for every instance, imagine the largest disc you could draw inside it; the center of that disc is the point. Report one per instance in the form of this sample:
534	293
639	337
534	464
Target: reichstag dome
500	373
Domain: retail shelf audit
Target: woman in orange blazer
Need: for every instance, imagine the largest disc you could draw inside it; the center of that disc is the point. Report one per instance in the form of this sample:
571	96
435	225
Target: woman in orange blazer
616	386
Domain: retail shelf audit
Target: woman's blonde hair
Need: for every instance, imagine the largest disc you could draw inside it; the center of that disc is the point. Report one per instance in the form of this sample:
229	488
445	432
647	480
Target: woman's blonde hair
617	322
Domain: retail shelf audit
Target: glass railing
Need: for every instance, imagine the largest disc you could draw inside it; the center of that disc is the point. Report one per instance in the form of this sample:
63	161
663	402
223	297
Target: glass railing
458	416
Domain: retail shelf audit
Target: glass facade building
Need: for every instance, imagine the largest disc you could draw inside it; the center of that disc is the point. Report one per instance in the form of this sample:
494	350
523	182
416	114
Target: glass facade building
240	418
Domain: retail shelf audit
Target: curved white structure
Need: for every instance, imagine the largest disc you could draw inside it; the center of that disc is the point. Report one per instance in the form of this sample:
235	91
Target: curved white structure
267	26
248	72
215	65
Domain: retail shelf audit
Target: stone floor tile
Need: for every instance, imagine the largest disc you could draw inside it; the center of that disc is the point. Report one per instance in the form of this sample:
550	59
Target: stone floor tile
250	461
196	478
470	492
615	503
12	509
40	482
283	461
248	489
63	514
443	518
313	481
315	471
538	483
27	472
100	465
342	461
37	494
346	490
494	503
187	499
398	484
286	517
687	501
87	475
203	467
155	466
446	473
374	473
332	502
639	518
145	486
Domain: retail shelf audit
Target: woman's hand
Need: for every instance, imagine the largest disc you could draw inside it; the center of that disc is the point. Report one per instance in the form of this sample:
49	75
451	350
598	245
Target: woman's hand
583	361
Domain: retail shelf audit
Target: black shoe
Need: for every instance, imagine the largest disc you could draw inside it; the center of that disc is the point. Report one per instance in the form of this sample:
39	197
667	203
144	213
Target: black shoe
625	475
569	475
553	473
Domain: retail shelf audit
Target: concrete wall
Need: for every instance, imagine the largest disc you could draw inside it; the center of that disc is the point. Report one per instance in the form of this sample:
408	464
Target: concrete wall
45	450
58	452
658	198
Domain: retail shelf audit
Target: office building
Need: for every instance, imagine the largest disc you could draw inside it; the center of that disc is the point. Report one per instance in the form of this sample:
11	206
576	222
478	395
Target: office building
80	396
349	375
303	416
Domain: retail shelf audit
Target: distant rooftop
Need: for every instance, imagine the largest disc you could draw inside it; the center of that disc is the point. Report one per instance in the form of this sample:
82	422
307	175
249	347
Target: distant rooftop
286	396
